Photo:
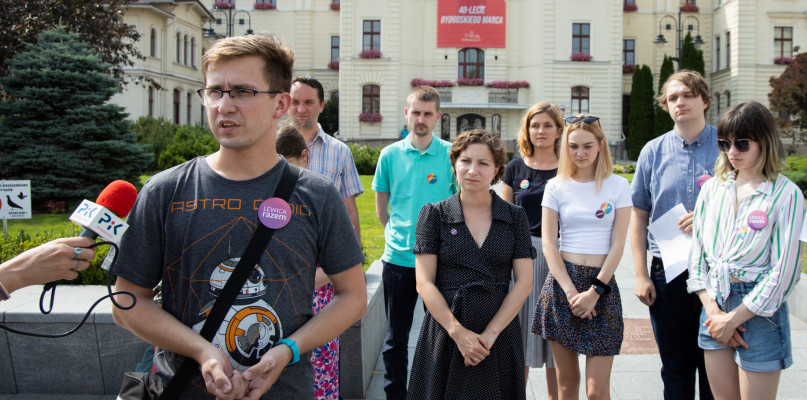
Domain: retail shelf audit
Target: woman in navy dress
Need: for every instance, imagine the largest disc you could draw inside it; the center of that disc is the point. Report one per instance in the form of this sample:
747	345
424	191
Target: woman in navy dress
467	247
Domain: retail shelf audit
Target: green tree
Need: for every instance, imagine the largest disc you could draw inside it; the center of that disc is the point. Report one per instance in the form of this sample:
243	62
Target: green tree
58	129
329	118
662	121
189	142
788	97
157	133
640	119
691	57
97	22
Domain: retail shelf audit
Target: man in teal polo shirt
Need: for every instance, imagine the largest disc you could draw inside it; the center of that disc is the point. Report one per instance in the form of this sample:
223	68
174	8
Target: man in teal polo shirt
410	173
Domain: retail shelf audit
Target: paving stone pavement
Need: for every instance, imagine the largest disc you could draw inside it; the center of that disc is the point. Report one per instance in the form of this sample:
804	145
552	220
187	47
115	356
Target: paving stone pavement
634	376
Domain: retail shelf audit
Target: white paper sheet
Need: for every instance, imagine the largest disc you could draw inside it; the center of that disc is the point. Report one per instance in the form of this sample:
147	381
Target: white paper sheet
672	242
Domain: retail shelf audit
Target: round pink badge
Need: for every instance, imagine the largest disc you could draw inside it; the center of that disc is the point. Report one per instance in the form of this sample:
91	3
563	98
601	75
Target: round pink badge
703	180
757	220
453	232
274	213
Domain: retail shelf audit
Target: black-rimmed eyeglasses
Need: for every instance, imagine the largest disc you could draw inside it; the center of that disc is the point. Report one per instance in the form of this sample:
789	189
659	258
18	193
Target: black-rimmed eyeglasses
212	97
588	119
742	145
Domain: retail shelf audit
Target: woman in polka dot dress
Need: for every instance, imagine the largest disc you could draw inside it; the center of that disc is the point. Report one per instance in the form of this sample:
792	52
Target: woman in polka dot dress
467	247
579	310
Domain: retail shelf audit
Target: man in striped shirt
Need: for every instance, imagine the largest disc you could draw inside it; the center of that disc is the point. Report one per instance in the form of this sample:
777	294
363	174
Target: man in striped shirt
326	155
667	174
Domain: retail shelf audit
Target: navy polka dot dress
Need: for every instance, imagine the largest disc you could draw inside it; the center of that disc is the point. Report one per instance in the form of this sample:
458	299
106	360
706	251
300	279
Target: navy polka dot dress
474	282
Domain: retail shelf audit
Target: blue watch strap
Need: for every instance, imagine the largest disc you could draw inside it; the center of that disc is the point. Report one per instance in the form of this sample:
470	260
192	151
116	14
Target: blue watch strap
294	350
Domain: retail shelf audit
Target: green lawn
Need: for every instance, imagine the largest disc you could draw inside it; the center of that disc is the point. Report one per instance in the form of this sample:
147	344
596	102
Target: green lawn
55	224
372	233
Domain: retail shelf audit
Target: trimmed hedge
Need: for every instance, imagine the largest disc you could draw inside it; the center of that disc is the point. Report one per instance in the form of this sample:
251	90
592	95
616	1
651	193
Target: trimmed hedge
365	158
796	171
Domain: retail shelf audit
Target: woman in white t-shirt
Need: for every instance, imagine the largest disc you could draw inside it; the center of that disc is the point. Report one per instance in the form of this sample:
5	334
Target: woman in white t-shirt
579	310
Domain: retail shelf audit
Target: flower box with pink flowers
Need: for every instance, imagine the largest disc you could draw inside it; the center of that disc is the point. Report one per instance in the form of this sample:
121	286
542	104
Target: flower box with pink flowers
580	57
508	84
264	6
370	118
470	82
370	53
783	60
434	83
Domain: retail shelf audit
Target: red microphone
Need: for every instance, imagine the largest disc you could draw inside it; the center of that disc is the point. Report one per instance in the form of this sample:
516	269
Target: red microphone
104	218
119	197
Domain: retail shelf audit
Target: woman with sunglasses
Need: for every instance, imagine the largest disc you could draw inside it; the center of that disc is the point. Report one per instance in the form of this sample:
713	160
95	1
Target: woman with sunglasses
579	310
523	185
746	257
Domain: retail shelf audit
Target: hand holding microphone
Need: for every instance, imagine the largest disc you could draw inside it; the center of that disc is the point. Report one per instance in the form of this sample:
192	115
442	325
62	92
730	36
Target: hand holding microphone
63	258
51	261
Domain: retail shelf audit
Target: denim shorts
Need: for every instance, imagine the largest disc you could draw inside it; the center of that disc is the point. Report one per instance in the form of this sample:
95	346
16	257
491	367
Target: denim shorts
768	338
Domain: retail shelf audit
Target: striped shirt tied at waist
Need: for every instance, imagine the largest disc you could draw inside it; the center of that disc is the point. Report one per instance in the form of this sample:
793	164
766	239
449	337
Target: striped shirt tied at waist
718	280
754	240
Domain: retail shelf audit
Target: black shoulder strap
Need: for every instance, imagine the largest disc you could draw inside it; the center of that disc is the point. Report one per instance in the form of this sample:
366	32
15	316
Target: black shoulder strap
257	245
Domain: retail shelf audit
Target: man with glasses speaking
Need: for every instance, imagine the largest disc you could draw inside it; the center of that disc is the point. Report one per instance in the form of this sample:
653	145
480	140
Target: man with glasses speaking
669	172
192	223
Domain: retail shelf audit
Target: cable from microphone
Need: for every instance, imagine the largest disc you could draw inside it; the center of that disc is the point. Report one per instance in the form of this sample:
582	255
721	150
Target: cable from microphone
98	219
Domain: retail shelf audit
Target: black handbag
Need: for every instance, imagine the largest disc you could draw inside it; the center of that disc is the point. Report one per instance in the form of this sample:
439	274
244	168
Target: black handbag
149	386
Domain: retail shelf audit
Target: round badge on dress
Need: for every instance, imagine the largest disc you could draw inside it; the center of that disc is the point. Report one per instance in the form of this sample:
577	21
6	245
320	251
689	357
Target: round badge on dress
431	178
274	213
757	220
453	231
524	184
605	207
599	214
703	179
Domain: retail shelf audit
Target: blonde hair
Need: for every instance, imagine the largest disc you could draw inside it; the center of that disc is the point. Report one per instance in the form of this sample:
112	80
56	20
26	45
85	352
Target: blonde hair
752	121
525	146
603	165
278	57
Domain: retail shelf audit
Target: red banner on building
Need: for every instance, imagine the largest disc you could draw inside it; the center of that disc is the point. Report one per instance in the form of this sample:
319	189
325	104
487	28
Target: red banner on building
471	23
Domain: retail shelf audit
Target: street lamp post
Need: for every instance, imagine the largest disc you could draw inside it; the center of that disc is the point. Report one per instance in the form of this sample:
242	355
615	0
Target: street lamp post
230	20
679	30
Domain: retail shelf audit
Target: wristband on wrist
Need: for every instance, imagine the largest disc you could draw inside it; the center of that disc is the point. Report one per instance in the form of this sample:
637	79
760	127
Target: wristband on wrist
600	286
4	293
295	352
600	291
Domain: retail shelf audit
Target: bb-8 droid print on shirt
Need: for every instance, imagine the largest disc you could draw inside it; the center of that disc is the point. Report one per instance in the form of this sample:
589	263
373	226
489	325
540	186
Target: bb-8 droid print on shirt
251	326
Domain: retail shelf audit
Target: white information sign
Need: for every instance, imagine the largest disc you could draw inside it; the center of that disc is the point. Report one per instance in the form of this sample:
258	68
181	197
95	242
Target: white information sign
15	199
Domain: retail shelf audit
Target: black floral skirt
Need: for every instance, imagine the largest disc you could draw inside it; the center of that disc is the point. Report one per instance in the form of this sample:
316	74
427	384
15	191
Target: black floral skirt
553	319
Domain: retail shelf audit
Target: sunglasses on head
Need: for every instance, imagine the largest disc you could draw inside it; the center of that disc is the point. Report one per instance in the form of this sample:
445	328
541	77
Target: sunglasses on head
742	145
588	119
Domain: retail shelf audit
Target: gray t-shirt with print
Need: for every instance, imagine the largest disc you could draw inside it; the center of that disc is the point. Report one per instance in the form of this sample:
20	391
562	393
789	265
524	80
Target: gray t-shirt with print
188	229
